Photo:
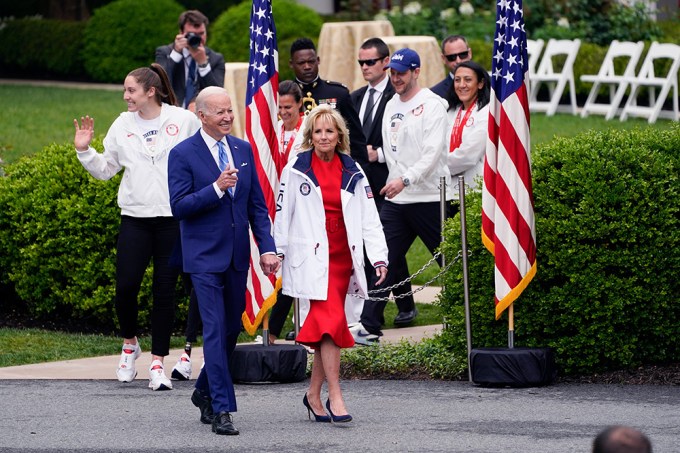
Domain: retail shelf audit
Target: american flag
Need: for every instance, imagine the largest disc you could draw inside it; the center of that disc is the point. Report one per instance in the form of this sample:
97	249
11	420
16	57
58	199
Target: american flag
508	229
261	132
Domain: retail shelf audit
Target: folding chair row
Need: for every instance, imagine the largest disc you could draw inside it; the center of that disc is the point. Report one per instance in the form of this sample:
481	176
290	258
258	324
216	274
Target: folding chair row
647	77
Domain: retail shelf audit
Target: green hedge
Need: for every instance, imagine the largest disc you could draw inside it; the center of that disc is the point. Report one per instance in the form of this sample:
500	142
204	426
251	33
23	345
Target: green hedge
123	36
41	47
606	294
58	231
229	34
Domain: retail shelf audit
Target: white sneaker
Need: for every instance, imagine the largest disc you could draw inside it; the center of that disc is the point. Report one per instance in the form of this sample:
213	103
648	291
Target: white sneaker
362	336
157	378
182	369
126	366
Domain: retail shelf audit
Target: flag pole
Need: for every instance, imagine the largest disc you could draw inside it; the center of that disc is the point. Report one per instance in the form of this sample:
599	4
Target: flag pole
511	326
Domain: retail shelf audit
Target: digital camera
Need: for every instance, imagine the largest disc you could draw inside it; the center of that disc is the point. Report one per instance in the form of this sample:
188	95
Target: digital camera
193	40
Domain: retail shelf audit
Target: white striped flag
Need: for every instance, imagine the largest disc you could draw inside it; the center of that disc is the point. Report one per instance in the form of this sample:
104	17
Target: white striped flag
508	229
261	129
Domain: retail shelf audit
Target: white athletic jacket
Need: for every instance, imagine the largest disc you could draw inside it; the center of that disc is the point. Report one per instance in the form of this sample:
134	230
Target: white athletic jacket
143	191
468	158
300	228
421	146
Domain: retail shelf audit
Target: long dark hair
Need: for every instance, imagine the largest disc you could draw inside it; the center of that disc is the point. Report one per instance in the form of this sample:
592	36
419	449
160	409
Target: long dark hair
155	77
483	95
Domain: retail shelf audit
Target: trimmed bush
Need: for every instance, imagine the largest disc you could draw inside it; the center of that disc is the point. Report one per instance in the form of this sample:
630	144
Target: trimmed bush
58	232
41	47
123	36
606	294
230	36
428	359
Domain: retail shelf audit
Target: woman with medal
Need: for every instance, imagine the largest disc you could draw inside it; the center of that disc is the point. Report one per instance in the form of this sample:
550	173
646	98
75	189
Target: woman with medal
291	120
468	118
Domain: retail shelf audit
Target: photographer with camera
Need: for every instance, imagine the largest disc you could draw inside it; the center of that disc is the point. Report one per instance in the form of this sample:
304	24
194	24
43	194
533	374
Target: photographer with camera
191	66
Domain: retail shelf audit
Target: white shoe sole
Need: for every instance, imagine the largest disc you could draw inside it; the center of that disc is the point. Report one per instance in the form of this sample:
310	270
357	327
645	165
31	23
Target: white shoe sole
126	378
160	387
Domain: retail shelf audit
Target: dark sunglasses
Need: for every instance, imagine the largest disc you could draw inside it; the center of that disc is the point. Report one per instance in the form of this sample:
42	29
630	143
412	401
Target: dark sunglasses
462	55
370	62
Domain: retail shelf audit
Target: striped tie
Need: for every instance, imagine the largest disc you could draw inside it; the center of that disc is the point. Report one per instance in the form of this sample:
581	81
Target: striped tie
224	161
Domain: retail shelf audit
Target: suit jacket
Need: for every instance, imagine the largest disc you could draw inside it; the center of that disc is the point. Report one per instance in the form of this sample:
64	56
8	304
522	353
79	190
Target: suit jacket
377	174
214	230
442	88
176	71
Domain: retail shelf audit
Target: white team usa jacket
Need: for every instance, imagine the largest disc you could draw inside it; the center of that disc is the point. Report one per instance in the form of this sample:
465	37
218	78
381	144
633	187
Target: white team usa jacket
143	191
300	228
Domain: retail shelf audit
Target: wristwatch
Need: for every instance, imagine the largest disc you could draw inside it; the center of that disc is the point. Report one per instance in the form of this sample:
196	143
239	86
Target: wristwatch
406	181
204	65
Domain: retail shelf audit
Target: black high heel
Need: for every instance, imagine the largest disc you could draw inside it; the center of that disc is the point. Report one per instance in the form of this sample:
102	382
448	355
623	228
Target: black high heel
319	418
337	418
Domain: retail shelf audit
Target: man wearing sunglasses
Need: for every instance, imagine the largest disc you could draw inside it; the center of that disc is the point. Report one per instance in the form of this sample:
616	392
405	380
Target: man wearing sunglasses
455	50
369	101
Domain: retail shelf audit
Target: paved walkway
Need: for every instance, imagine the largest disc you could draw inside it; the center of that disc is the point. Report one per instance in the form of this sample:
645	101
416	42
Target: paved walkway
104	367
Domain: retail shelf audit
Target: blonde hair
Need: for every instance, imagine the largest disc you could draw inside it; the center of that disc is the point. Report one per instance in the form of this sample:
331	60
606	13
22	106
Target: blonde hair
326	113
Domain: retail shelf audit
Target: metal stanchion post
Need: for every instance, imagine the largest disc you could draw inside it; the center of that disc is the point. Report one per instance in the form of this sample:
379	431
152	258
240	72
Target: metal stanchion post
466	288
442	213
296	312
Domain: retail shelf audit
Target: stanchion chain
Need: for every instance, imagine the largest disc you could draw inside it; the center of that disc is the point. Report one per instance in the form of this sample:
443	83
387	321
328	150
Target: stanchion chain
457	258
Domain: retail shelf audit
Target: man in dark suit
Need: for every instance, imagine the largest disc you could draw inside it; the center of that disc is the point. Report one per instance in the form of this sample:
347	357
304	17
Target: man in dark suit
191	66
374	55
216	195
315	91
455	50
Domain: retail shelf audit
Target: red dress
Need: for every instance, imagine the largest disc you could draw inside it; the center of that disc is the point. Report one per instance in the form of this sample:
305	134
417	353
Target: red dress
328	316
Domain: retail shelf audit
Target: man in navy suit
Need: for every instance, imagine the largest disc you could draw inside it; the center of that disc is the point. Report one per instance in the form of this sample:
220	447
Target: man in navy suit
215	194
190	64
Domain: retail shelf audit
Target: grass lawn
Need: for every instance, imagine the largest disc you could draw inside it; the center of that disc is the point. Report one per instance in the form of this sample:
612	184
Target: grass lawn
33	117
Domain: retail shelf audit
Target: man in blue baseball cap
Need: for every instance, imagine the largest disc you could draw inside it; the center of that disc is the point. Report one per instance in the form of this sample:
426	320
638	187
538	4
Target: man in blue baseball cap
414	131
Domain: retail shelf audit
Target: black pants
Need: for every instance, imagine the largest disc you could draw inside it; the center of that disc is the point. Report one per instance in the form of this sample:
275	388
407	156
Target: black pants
139	240
193	314
402	223
279	313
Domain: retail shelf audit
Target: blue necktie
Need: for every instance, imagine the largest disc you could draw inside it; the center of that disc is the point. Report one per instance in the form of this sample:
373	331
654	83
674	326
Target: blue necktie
190	88
224	161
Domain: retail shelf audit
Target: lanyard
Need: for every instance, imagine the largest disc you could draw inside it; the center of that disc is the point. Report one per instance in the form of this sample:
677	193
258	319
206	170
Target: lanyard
292	137
458	125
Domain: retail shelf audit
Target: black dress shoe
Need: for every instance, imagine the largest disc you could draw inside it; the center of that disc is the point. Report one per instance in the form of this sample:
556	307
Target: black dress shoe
290	336
222	424
405	318
204	403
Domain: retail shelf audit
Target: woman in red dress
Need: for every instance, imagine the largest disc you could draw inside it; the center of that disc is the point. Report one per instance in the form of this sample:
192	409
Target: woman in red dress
325	217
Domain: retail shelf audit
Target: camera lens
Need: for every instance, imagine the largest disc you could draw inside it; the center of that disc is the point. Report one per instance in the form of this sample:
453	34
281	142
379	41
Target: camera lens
193	39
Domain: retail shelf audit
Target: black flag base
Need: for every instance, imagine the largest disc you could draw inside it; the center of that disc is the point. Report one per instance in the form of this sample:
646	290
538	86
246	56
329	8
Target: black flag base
255	363
512	367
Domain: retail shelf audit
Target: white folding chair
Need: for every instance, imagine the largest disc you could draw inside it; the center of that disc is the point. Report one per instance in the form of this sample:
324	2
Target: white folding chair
556	80
647	78
534	47
618	83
